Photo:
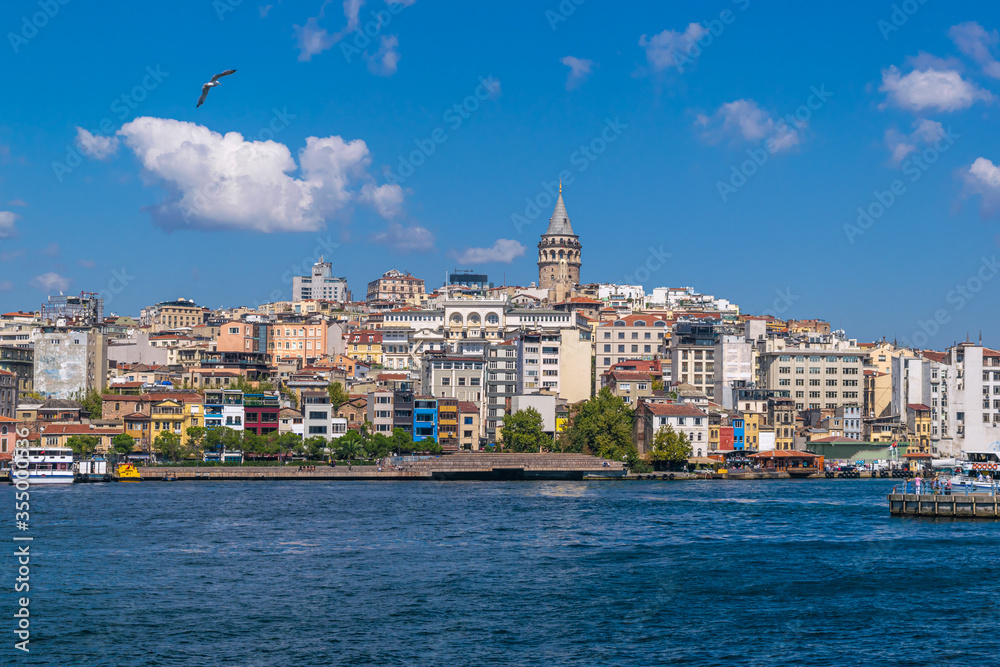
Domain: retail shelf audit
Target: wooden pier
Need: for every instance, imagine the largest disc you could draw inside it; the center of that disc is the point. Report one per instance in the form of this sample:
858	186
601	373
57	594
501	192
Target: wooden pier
972	506
453	467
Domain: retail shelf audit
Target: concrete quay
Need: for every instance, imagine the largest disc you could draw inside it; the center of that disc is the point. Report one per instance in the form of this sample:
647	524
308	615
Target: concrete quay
972	506
455	467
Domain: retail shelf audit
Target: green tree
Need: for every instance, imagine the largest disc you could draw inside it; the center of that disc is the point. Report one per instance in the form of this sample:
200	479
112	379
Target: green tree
293	398
287	442
522	432
602	426
428	446
378	446
315	447
254	444
402	442
92	404
657	385
338	396
169	445
123	444
83	445
670	449
213	439
350	446
196	439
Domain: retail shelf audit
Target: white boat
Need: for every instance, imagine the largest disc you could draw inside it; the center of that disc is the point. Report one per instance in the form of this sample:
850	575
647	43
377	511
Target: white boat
47	465
979	472
962	483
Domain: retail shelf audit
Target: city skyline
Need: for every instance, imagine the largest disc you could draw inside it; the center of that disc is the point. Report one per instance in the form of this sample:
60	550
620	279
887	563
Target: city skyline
670	127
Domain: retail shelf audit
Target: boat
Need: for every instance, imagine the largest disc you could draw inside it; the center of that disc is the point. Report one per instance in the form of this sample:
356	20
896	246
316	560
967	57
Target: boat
980	471
46	465
126	472
91	470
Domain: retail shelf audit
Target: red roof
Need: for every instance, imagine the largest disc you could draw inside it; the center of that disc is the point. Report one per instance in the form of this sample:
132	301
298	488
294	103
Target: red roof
918	406
783	454
628	376
155	397
81	429
673	410
467	406
933	355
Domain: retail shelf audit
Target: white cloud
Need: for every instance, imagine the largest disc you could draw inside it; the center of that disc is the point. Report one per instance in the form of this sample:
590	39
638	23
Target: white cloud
50	282
96	146
6	286
944	90
579	70
662	50
87	263
405	239
386	59
983	179
219	181
744	120
900	145
974	41
504	251
313	40
7	228
387	199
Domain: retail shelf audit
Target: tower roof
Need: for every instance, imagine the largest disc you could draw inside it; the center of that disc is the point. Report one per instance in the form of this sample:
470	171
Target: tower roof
559	222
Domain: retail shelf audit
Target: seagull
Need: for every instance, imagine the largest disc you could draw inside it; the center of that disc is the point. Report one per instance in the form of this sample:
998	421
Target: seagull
212	84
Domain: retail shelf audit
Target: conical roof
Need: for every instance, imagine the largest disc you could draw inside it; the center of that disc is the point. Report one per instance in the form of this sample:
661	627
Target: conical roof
559	222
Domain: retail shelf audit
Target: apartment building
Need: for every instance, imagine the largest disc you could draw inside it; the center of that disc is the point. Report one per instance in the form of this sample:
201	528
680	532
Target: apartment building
182	313
68	362
501	385
820	372
633	337
320	284
686	419
397	286
459	377
305	339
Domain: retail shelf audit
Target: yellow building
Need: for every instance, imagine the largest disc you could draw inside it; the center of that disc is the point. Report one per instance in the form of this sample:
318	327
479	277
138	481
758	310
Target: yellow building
918	427
365	346
174	416
751	430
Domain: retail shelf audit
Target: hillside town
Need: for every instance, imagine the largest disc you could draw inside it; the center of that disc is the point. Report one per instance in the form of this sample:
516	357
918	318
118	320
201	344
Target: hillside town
449	364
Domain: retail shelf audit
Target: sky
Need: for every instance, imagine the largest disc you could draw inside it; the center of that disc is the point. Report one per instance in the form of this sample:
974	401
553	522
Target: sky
797	161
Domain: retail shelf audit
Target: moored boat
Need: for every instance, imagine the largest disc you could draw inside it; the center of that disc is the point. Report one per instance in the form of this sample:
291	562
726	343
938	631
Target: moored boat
126	472
46	465
91	470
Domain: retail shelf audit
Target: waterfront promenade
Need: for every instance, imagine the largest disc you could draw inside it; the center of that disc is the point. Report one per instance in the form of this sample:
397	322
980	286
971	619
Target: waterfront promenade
972	505
453	467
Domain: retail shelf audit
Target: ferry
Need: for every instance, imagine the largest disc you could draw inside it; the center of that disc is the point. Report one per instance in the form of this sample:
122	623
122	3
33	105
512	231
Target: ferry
980	471
126	472
48	465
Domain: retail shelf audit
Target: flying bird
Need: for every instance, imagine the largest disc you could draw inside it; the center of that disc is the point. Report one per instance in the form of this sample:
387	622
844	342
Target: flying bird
212	84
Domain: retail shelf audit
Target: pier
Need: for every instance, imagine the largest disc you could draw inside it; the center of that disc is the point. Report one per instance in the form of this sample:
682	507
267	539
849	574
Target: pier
454	467
973	505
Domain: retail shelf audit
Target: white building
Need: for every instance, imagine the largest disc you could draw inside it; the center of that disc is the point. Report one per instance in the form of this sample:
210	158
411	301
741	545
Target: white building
322	284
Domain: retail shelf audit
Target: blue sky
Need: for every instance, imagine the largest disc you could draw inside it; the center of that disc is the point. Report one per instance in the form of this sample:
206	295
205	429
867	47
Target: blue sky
154	199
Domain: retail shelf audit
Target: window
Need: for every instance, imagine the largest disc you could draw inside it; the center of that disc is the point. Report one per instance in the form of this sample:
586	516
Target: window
445	382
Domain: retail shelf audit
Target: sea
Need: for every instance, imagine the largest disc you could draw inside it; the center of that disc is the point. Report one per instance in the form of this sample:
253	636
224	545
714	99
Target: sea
710	572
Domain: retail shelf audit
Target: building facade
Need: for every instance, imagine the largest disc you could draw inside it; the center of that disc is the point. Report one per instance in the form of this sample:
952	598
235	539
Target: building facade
559	255
320	284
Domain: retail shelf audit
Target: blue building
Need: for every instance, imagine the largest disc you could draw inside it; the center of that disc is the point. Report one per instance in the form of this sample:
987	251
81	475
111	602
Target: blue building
425	418
739	433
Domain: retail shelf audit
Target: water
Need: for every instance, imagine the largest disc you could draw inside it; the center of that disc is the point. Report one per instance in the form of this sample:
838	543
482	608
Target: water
555	573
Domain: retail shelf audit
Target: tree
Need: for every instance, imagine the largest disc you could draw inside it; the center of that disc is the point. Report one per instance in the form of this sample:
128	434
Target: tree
378	446
92	404
522	432
287	442
196	438
429	446
657	385
169	445
670	449
123	444
83	445
602	426
315	447
402	442
337	395
350	446
293	398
